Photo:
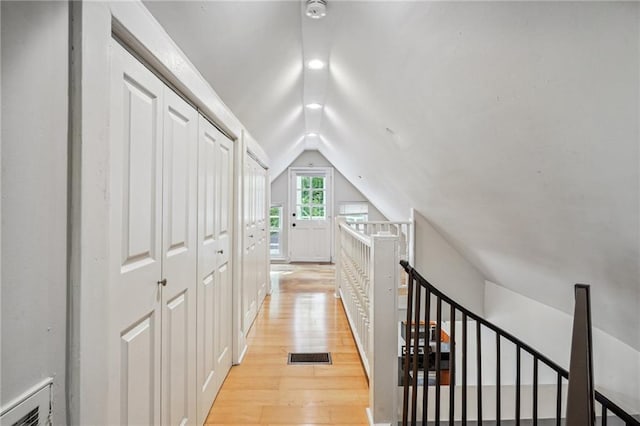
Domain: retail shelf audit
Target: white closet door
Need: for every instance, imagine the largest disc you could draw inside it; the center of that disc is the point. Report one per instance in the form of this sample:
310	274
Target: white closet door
135	248
261	232
224	299
207	246
249	289
179	261
214	274
254	262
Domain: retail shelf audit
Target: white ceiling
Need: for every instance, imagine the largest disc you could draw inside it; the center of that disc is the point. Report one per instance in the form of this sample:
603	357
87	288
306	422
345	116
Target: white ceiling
512	126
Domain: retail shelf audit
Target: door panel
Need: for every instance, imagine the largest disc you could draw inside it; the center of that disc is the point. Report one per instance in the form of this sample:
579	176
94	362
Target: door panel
223	354
180	136
224	185
135	247
207	328
176	362
178	131
139	375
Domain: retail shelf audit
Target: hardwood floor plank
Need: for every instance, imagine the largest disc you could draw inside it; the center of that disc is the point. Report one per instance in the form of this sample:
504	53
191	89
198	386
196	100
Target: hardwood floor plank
284	414
301	315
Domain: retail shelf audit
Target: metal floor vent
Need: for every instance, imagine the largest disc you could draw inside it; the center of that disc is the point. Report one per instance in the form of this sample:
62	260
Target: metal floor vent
309	358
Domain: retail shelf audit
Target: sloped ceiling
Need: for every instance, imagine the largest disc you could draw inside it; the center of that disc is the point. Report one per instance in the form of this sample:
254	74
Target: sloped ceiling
513	127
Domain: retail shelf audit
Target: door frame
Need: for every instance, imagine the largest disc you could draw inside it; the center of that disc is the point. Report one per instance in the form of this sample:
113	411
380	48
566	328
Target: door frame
290	207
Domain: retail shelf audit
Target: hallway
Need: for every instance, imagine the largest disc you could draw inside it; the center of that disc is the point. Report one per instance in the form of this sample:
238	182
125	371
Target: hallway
301	315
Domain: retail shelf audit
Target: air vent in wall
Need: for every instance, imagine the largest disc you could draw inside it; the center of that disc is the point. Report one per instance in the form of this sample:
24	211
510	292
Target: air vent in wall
32	408
29	419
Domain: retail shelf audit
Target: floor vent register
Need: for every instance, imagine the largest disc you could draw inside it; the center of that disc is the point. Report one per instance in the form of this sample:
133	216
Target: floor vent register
309	358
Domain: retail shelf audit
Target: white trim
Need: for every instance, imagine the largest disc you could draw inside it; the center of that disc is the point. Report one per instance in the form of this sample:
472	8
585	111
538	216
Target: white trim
134	24
255	150
242	354
281	257
239	339
370	419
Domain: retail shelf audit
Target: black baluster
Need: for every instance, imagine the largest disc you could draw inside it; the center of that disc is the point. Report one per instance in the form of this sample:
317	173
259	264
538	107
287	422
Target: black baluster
498	387
425	365
604	416
517	385
452	367
464	368
559	400
479	358
438	351
407	334
535	391
415	356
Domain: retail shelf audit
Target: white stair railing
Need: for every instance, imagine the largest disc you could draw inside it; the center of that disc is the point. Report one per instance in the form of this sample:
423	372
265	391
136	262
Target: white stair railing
403	230
367	281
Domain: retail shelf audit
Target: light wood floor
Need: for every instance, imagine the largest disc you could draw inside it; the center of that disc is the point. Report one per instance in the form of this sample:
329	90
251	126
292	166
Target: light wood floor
302	315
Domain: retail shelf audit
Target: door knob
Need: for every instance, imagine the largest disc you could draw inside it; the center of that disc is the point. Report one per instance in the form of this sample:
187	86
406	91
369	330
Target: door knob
163	282
221	251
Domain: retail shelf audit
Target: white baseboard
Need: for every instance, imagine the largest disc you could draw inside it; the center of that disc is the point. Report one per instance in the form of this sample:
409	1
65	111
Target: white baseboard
370	419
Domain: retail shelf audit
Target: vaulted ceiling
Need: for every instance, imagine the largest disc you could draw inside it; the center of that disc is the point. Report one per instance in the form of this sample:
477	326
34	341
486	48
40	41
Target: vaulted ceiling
512	126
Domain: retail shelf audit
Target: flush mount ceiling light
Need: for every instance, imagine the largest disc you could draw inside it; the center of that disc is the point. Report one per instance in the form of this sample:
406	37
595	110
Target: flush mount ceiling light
316	9
314	106
315	64
312	134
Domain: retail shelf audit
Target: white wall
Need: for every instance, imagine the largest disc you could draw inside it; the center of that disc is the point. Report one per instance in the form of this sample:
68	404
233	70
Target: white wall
343	190
616	364
517	136
445	268
34	197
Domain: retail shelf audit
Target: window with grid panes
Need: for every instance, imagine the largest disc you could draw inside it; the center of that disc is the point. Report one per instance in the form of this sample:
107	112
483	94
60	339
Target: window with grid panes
275	231
311	198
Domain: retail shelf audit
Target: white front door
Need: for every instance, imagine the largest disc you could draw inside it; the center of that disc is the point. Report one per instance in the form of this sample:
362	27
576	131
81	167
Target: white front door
310	214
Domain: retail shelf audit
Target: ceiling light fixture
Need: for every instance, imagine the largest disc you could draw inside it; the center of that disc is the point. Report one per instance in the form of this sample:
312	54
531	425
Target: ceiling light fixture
312	134
316	9
314	106
315	64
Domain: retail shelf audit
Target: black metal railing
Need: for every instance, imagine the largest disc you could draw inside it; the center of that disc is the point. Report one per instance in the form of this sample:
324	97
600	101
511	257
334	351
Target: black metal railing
425	354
